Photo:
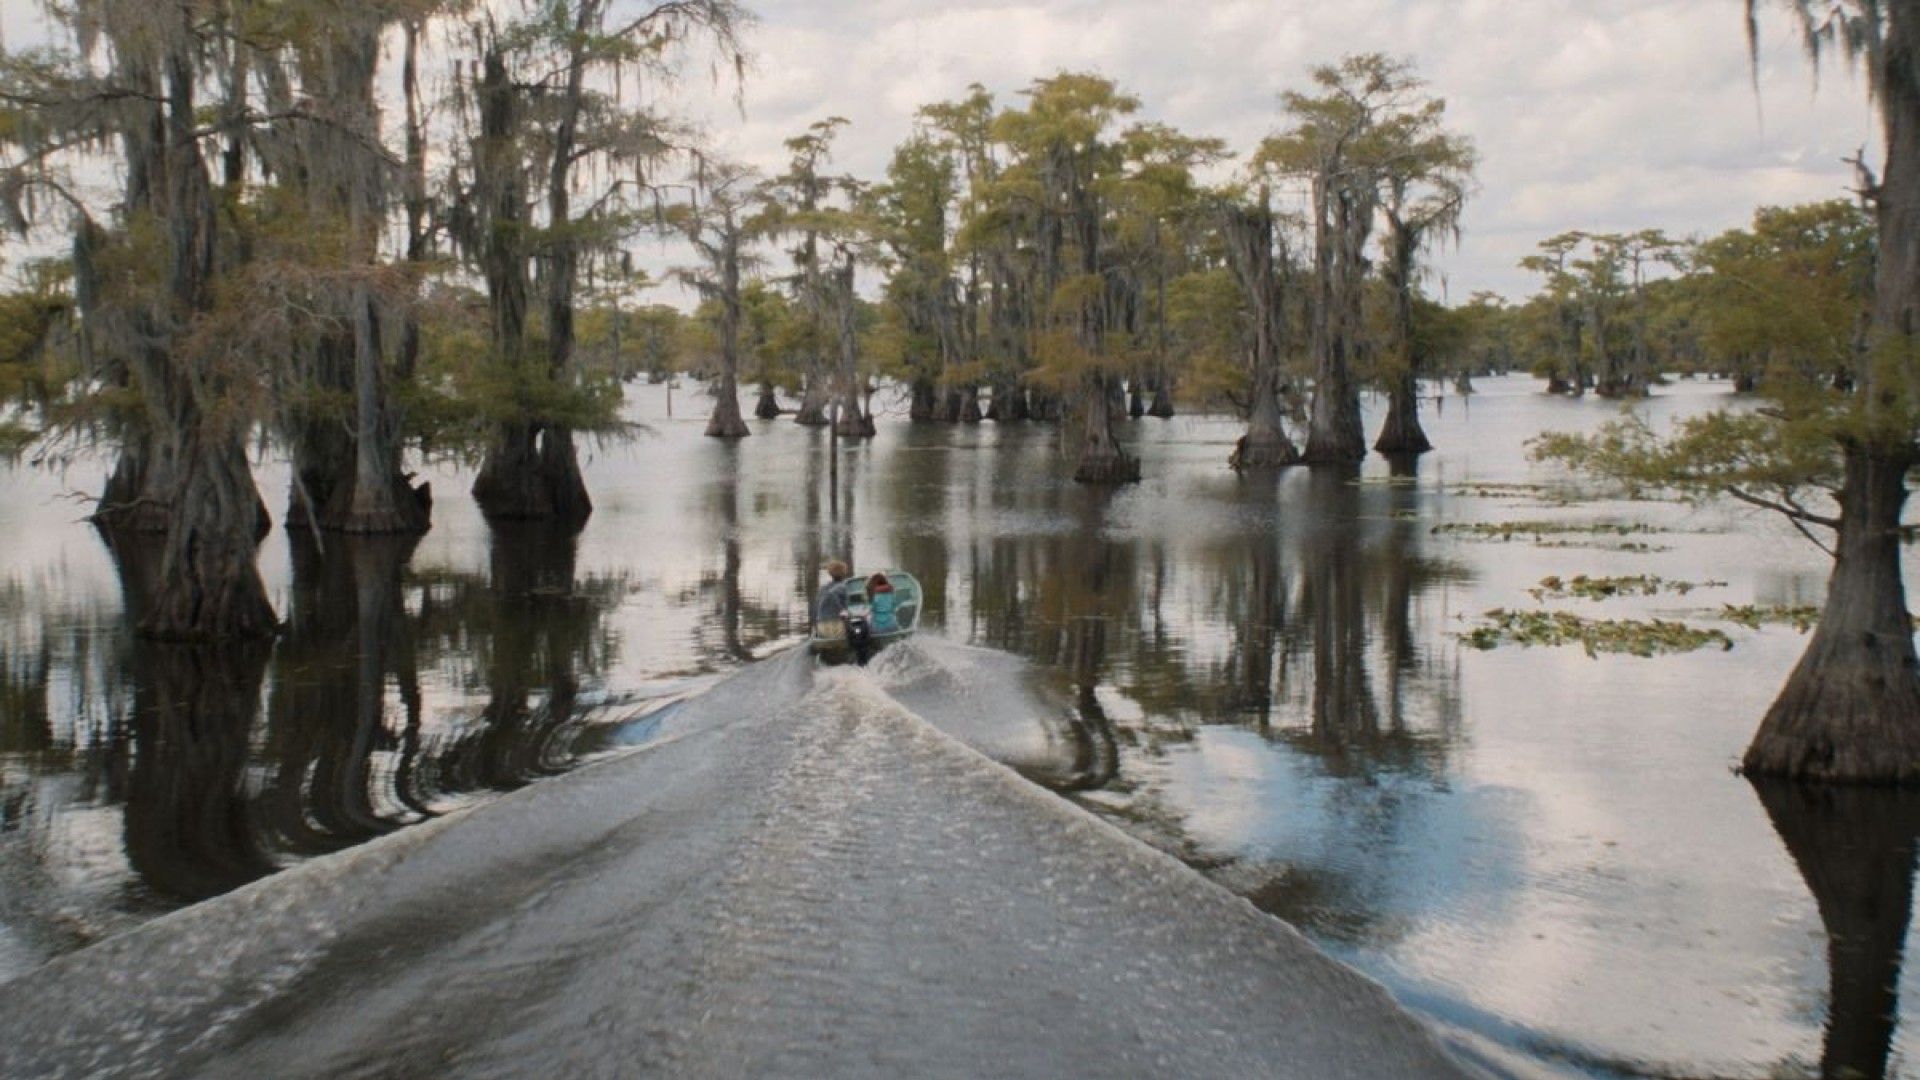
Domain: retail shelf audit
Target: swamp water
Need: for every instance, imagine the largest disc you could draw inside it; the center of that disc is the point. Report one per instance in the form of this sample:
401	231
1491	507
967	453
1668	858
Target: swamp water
1544	853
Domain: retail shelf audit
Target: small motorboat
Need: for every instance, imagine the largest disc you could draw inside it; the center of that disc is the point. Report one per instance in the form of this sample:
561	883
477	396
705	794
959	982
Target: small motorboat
867	628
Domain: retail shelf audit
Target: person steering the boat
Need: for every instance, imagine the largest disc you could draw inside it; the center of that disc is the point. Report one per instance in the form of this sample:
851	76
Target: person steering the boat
829	610
882	602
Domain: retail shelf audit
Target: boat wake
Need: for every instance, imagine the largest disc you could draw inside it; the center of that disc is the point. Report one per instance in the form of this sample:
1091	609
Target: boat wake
803	872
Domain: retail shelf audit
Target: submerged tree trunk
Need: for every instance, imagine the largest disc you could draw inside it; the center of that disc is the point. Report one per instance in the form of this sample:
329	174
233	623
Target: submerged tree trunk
1265	445
1162	406
813	399
726	422
1402	433
210	587
1102	461
854	422
533	473
377	497
768	407
1250	239
1850	711
1334	434
1009	402
530	471
923	400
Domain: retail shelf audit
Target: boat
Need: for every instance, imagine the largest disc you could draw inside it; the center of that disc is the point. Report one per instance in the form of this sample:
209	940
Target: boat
862	637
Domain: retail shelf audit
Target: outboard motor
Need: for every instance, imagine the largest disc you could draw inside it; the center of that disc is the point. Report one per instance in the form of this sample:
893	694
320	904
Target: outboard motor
860	638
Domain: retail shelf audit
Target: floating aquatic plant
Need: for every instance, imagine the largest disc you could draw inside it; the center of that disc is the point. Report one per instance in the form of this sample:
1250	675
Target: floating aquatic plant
1638	637
1508	530
1632	546
1554	587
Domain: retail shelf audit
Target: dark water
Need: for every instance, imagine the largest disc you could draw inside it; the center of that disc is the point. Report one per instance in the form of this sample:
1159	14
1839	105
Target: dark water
1545	853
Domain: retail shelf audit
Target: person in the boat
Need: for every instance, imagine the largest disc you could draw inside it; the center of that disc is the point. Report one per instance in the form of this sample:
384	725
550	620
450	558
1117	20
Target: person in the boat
829	611
882	603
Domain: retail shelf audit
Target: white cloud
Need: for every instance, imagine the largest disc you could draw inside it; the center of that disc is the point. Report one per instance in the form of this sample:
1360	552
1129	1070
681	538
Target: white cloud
1615	115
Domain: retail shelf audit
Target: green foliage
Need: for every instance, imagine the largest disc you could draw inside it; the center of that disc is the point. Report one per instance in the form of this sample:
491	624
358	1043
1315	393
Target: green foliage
1704	455
1783	299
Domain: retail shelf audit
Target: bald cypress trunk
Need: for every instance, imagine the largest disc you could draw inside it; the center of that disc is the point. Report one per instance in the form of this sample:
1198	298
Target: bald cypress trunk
813	399
853	421
1250	239
1101	459
768	407
1333	429
923	400
532	470
726	421
1402	434
1265	445
210	587
1009	402
1850	712
1162	406
377	497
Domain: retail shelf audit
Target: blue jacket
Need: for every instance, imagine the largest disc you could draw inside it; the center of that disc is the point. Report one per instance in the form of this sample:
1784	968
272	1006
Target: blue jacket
884	620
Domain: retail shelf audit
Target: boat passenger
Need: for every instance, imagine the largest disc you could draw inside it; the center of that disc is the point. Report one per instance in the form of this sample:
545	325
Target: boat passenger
830	609
881	602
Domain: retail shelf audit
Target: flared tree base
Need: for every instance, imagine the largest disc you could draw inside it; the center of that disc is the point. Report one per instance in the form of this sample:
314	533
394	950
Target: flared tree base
854	427
1263	454
1403	441
768	407
1118	467
1850	714
522	481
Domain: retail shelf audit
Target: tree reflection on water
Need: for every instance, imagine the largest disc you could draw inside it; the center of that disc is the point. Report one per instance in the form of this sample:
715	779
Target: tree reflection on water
216	788
1855	847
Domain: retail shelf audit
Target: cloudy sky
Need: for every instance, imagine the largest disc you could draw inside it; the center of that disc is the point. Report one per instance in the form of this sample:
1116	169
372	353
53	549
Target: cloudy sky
1589	114
1593	114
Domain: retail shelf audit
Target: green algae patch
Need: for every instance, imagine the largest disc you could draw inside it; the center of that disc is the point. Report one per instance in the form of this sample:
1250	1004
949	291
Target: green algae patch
1606	588
1635	637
